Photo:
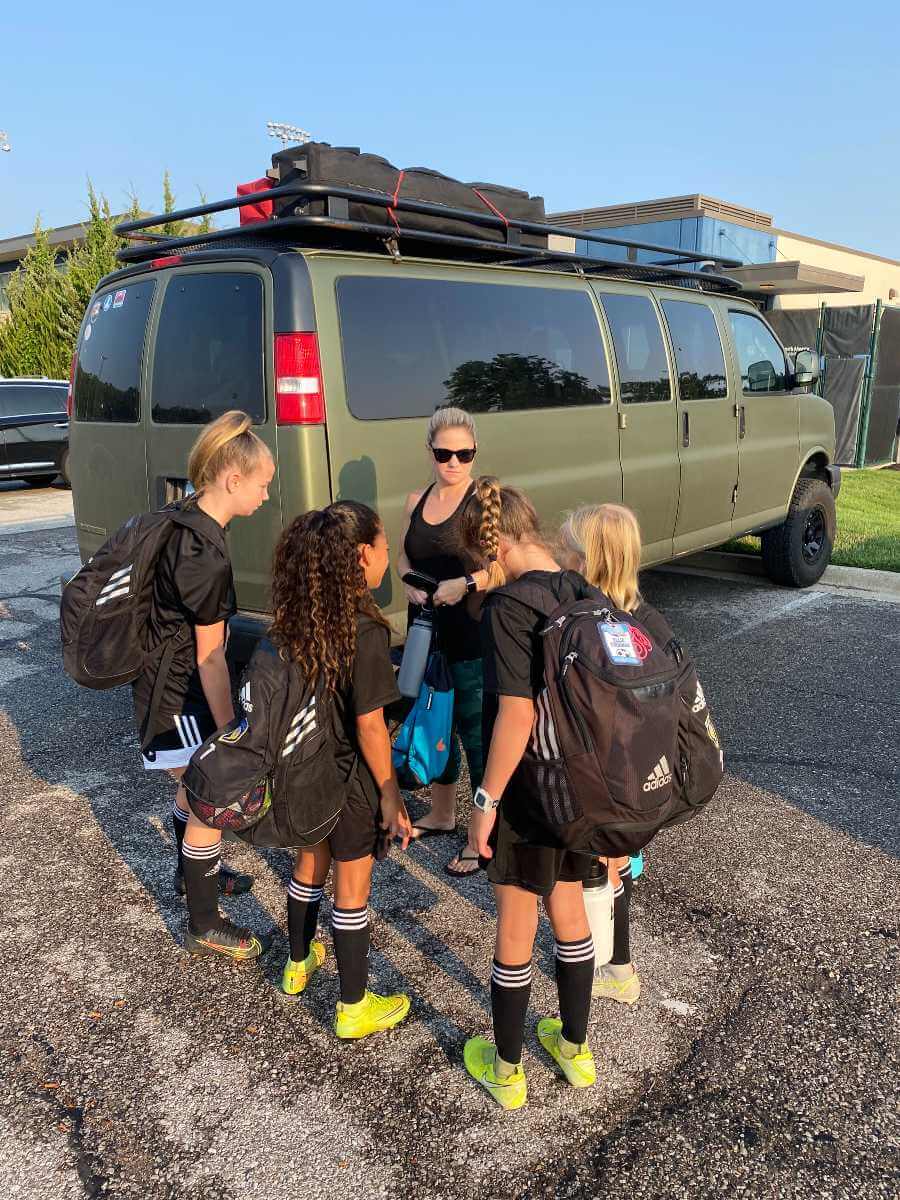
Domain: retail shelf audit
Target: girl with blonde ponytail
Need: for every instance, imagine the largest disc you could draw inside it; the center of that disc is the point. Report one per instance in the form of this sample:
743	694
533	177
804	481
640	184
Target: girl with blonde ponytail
230	469
507	829
603	542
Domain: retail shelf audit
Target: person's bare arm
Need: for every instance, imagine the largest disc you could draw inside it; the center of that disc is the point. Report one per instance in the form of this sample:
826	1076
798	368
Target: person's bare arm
413	595
512	729
375	747
213	671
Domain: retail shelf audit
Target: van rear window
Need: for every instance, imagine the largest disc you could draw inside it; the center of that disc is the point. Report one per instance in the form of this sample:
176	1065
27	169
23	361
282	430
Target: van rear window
411	345
110	353
208	355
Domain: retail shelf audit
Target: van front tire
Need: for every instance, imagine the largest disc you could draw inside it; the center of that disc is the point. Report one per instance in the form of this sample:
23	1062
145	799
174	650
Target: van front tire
796	553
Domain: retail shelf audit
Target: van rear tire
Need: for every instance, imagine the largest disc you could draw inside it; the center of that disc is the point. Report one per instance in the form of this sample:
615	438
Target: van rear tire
797	552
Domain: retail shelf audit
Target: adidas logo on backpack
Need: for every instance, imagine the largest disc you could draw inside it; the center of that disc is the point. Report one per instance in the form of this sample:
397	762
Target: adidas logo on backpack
659	777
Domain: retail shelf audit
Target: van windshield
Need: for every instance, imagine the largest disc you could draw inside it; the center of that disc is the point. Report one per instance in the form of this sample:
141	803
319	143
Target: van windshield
411	345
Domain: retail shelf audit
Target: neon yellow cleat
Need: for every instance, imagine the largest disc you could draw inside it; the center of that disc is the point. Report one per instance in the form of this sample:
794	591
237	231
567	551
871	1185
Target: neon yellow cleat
479	1056
297	975
371	1015
624	991
579	1070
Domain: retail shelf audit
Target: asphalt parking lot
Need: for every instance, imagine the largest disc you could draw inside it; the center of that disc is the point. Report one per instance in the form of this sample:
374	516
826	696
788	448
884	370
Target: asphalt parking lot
762	1060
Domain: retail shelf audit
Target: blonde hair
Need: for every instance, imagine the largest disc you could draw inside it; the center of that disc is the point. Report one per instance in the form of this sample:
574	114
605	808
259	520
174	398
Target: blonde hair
608	538
449	417
499	511
226	442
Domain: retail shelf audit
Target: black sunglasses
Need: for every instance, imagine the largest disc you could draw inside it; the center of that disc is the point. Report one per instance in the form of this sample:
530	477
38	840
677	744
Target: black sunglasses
464	456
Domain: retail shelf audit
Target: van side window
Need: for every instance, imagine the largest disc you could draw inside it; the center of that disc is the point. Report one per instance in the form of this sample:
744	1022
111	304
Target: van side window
411	345
640	351
698	350
110	353
209	349
763	366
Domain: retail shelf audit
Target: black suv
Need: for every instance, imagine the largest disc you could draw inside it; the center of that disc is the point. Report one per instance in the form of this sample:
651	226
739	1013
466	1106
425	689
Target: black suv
34	430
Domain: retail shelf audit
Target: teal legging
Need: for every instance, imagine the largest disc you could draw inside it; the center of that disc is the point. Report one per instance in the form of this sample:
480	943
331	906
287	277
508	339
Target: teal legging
467	701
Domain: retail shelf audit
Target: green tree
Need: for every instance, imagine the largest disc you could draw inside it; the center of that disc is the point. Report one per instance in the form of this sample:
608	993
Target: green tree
30	341
86	263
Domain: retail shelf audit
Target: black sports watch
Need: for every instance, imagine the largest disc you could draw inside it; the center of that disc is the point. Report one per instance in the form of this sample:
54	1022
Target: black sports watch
471	585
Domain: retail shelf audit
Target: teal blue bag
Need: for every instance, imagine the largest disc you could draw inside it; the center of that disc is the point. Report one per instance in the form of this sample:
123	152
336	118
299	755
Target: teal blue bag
422	747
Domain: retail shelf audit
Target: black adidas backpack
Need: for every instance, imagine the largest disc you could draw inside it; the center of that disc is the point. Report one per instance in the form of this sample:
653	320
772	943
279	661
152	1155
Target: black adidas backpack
623	744
271	775
105	608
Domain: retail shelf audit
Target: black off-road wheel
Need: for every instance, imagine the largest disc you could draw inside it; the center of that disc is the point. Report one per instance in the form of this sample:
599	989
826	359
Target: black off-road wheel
796	553
64	469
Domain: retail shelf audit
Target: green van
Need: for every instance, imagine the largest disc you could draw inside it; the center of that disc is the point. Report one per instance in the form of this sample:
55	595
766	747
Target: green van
664	391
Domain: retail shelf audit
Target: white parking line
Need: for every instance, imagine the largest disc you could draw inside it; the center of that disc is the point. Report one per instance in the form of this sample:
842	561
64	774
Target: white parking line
737	631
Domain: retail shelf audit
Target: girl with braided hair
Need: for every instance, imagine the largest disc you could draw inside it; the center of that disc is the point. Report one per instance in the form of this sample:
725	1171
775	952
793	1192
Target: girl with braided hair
505	830
325	619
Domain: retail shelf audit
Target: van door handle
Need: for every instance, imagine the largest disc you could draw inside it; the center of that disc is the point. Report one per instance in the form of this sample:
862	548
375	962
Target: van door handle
742	420
685	429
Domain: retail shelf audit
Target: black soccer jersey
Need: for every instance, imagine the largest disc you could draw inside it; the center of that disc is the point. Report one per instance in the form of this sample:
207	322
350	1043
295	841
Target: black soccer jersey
193	586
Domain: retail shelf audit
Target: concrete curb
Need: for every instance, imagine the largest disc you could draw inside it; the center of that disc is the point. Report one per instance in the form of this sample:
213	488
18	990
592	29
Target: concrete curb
881	585
13	527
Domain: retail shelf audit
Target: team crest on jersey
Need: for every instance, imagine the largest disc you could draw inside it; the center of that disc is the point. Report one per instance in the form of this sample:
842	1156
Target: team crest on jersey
235	735
246	703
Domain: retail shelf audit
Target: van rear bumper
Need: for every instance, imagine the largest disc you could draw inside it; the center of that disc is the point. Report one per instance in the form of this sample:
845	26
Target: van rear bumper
245	629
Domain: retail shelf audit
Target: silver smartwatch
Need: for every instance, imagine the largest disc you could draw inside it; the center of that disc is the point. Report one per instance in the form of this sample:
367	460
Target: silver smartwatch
484	800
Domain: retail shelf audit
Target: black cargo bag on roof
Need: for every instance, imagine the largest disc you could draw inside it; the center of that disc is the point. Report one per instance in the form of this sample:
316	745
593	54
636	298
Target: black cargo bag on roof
317	162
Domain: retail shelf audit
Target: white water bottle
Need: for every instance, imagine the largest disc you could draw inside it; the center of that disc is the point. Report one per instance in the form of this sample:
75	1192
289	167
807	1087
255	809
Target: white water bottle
415	655
598	904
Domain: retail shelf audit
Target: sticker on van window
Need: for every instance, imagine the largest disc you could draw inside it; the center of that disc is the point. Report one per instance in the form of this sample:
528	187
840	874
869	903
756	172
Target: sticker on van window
95	310
619	646
119	298
107	303
87	333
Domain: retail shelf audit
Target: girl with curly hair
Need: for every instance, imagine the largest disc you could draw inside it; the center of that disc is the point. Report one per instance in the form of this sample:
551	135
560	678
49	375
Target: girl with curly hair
325	619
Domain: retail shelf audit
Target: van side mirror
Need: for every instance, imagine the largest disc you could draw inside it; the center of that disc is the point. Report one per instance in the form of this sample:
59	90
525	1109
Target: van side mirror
761	376
806	368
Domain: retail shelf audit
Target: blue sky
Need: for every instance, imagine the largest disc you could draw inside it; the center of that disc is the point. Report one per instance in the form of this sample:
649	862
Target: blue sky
790	108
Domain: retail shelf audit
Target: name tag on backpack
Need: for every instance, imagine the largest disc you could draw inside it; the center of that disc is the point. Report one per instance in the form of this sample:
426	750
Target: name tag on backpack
618	642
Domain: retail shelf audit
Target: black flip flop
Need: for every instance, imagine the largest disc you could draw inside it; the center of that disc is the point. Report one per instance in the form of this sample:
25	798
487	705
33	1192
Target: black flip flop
426	831
464	858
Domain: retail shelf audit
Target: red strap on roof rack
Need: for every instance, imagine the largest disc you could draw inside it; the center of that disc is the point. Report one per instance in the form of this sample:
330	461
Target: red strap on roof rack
394	199
496	211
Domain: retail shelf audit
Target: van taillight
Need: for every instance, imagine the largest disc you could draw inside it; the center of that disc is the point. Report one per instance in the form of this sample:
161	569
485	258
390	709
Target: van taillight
70	407
299	398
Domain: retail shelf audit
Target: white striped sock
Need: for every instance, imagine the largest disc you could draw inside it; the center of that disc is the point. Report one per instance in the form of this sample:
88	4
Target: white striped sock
511	977
349	919
179	814
304	892
200	853
575	952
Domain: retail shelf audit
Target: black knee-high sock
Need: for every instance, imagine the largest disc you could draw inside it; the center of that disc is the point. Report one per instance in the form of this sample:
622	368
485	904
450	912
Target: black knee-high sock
179	825
510	993
303	915
574	976
621	954
201	885
350	930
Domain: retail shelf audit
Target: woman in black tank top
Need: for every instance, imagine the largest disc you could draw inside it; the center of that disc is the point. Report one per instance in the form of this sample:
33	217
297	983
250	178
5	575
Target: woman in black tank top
432	544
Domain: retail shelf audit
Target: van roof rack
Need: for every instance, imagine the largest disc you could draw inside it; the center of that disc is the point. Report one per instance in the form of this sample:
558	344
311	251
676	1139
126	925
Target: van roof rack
335	230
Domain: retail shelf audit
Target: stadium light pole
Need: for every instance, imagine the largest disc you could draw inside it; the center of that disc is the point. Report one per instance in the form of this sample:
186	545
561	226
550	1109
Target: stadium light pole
4	141
288	133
